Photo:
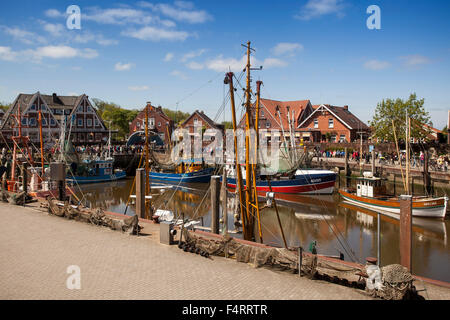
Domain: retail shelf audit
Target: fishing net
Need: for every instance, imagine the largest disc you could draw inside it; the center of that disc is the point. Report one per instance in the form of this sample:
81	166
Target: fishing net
280	258
396	282
97	217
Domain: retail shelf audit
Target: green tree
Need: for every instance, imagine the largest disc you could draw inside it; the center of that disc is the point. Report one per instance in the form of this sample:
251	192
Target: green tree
176	116
115	117
4	106
390	109
227	125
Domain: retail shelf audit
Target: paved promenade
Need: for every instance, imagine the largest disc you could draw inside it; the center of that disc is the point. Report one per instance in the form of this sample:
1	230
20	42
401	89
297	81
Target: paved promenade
36	249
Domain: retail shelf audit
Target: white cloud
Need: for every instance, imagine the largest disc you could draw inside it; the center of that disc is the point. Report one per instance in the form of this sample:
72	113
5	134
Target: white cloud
273	63
221	64
123	66
156	34
286	48
192	54
51	52
182	11
376	65
195	65
7	54
24	36
118	16
415	60
179	74
98	38
317	8
139	88
54	29
169	56
53	13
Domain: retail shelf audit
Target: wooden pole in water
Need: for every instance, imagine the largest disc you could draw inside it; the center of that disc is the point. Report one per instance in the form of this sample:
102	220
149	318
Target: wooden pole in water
140	193
278	215
406	231
426	174
215	199
224	203
379	239
346	162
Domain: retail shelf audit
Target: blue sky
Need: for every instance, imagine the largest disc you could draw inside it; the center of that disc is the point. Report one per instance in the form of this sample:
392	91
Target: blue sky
130	52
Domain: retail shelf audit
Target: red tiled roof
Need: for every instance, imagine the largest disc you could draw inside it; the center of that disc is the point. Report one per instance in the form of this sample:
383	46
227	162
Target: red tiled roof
297	107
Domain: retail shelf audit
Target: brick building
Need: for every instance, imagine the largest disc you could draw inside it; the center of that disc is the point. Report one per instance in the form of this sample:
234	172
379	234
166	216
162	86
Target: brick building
332	124
158	122
81	119
200	119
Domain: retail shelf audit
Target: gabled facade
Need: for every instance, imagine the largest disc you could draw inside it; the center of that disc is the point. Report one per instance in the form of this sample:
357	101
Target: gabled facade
332	124
158	122
200	119
76	112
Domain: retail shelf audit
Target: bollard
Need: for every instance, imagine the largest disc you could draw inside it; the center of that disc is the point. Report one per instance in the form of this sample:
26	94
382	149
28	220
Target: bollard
140	193
406	231
215	199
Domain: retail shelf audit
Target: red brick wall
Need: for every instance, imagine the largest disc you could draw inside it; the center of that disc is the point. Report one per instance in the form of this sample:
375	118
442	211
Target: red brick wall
338	129
162	124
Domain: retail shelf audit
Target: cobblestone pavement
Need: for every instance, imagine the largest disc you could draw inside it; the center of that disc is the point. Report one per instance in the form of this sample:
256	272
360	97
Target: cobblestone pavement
36	250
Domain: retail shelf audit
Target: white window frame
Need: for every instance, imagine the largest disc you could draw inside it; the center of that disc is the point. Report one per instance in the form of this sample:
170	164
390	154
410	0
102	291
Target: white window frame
80	120
316	123
267	124
89	122
330	123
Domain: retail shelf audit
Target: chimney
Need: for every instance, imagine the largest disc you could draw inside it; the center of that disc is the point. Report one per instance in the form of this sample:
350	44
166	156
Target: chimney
345	107
55	98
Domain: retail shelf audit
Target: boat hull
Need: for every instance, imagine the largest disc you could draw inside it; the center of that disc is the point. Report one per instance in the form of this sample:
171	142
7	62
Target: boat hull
201	176
97	179
306	184
431	208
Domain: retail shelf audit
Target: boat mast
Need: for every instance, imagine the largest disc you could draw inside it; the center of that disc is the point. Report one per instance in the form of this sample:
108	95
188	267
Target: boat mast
238	172
407	133
147	178
109	141
254	166
42	143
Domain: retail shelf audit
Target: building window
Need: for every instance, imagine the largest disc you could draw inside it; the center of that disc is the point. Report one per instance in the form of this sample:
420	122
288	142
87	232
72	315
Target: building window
33	107
24	121
159	124
52	121
152	122
342	138
316	123
262	113
89	122
333	138
32	121
67	111
80	122
195	122
44	121
267	124
331	123
97	123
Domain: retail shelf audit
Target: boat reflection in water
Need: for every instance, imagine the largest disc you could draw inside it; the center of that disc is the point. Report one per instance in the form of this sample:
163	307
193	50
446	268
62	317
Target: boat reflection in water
304	218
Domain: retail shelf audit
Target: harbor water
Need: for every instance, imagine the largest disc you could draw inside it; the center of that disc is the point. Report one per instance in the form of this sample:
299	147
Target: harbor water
337	227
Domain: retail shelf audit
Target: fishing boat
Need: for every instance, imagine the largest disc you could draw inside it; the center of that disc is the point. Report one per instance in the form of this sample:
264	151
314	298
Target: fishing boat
196	176
304	181
371	193
89	170
97	171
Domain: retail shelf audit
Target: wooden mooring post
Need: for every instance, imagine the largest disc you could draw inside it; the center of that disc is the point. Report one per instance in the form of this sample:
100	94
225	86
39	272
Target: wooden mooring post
224	203
406	231
426	174
140	193
215	200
